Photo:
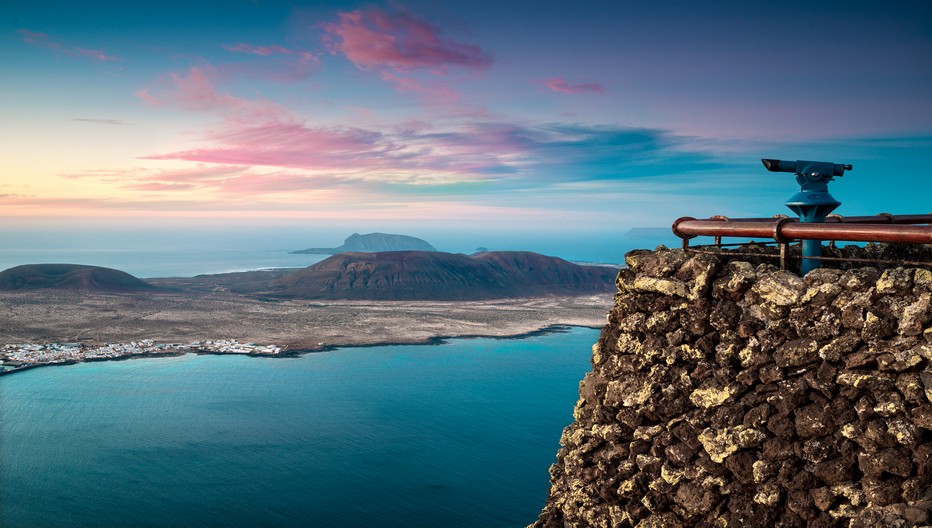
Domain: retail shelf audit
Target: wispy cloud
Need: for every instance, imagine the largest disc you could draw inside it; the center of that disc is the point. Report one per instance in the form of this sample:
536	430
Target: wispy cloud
187	175
99	121
42	40
291	145
376	38
216	179
263	51
273	63
194	91
559	85
435	92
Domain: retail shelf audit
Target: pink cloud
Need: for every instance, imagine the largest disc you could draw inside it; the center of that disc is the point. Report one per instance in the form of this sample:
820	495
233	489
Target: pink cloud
557	84
374	38
194	91
42	40
259	133
148	98
288	144
344	150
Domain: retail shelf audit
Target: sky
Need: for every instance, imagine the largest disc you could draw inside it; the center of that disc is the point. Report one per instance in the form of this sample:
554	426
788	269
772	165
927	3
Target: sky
552	118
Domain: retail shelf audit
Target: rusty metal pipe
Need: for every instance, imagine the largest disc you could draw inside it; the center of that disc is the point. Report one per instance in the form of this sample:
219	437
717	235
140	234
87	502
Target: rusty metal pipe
882	218
785	229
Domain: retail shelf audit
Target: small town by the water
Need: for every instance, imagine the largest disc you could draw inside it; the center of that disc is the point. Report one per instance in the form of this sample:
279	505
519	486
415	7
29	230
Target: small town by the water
14	357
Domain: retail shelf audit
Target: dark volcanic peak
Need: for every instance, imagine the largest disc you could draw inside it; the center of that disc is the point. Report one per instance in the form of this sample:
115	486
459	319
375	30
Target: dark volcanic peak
423	275
373	242
70	277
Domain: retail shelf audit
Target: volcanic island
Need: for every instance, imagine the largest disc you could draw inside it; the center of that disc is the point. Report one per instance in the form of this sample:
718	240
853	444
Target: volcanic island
66	313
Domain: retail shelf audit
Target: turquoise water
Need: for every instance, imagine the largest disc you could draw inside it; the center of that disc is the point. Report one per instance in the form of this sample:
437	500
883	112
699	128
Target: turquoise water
454	435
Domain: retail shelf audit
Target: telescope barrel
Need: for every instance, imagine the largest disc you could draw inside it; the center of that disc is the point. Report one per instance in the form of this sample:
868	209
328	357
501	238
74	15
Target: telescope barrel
779	165
801	167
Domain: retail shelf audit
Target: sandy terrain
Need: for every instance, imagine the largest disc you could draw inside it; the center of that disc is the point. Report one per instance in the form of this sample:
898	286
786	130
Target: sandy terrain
61	316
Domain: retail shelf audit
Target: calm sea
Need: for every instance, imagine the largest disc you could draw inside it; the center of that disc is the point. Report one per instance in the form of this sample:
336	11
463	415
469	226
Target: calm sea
454	435
160	254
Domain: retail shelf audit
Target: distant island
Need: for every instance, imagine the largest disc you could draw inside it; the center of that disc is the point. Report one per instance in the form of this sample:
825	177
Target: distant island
413	275
427	275
370	243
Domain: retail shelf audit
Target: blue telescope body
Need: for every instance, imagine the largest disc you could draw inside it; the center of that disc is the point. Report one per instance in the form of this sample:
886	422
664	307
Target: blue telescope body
813	202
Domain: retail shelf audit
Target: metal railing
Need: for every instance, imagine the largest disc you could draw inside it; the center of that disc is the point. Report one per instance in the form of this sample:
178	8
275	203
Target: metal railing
885	227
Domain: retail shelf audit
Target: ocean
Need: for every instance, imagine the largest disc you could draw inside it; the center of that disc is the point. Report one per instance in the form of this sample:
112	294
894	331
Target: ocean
460	434
188	253
457	434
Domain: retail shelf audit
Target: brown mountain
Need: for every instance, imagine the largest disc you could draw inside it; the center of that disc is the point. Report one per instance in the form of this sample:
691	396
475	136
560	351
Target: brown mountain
424	275
71	277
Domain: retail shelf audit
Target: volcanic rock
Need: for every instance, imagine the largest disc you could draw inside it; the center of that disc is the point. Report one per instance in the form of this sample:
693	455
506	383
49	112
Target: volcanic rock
741	395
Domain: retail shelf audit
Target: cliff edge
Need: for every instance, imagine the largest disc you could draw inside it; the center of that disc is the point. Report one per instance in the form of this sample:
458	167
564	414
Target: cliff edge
732	395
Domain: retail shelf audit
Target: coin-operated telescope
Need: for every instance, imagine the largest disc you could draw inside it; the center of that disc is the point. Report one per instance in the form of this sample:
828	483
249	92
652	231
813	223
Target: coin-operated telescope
813	202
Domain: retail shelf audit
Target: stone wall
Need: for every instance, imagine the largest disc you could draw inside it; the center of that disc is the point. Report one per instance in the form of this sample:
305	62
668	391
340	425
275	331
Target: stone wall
733	395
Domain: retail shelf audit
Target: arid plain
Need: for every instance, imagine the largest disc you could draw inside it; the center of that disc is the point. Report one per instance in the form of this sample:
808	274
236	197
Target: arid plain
98	318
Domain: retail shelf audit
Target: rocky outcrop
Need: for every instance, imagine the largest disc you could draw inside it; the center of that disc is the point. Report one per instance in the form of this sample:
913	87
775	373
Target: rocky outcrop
729	394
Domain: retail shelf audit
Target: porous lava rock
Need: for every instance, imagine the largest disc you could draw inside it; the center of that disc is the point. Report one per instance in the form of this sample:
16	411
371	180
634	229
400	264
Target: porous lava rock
726	393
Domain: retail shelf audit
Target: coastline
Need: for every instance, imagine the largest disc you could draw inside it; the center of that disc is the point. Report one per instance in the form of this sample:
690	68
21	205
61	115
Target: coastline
97	319
298	352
